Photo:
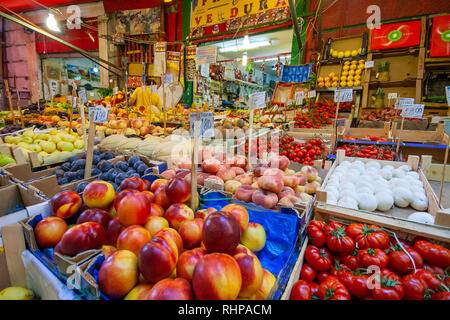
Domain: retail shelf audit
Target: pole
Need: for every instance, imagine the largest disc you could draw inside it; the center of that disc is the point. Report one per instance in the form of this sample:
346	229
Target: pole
398	139
19	108
10	101
295	24
164	102
443	173
90	147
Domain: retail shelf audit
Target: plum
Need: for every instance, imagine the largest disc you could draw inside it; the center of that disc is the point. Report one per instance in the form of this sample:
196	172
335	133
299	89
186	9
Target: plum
133	160
105	165
59	173
141	169
137	164
78	164
120	177
108	155
95	159
122	165
81	186
66	166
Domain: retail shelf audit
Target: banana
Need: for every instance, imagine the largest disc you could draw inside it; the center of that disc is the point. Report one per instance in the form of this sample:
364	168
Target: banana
16	293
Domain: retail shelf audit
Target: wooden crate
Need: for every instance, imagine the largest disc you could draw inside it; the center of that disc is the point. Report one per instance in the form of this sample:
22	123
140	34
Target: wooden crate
434	171
422	136
385	132
396	218
347	43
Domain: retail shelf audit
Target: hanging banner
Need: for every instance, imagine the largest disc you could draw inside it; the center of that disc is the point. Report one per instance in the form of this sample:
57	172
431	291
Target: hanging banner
206	55
396	35
173	63
440	37
159	65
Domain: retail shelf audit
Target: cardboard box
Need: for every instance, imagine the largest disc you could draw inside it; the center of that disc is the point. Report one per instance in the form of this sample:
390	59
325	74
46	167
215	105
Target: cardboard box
23	172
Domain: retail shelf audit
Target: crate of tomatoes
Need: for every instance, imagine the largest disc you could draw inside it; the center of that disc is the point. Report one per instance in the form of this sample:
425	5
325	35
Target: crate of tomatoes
358	261
319	116
305	153
371	151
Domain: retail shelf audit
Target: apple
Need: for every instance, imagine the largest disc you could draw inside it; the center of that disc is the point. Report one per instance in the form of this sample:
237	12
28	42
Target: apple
132	183
187	262
211	165
265	199
251	272
254	237
49	231
65	204
267	284
113	230
158	258
158	183
244	193
140	292
156	223
133	209
119	196
118	274
173	235
177	213
150	196
171	289
216	276
204	213
133	238
98	194
161	197
221	232
191	232
178	190
239	213
82	237
94	215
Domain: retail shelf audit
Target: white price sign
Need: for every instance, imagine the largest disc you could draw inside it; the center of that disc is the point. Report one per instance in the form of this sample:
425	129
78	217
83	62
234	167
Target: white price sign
91	94
206	123
82	95
392	95
343	95
299	97
447	93
167	77
404	102
340	122
369	64
100	114
258	100
312	94
414	111
74	102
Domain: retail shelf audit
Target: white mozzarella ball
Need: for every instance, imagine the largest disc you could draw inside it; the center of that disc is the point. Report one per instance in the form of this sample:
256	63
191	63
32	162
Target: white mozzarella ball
413	174
405	168
385	174
402	197
368	202
388	167
373	164
398	173
422	217
385	201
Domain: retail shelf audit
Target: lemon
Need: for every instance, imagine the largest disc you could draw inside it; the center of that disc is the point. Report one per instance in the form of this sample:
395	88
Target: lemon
335	54
353	67
358	71
340	54
344	78
354	53
357	77
345	68
346	63
351	72
357	83
361	66
320	79
359	51
345	73
347	53
23	145
331	75
327	84
16	293
49	147
334	84
79	144
53	132
321	84
327	79
349	78
335	78
350	83
361	61
343	84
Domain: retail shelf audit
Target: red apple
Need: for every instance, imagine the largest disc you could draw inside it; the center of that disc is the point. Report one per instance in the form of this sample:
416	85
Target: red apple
82	237
240	213
65	204
216	277
158	258
132	183
191	232
113	229
178	190
158	183
221	232
177	213
94	215
171	289
187	262
254	237
133	209
251	272
119	196
133	238
49	231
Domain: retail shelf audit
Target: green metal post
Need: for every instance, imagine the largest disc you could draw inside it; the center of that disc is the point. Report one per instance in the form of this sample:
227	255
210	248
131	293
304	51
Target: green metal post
186	27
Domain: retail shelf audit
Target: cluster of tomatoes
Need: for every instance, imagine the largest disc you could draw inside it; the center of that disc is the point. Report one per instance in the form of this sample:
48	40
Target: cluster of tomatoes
304	153
340	260
260	145
368	151
321	114
366	137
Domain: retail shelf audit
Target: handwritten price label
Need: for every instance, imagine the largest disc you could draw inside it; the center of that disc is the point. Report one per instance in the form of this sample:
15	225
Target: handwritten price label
343	95
258	100
392	95
206	122
100	115
414	111
299	97
312	94
82	95
340	122
404	102
167	77
369	64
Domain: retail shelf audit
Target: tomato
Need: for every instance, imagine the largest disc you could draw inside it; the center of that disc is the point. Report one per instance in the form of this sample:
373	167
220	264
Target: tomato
332	289
419	284
400	262
368	236
301	291
307	273
315	235
314	290
351	259
394	242
328	228
373	257
318	258
434	269
433	253
338	241
443	295
321	276
338	269
318	223
356	283
389	287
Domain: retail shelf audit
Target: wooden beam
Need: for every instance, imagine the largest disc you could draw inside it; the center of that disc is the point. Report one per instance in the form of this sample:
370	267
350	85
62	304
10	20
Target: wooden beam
102	24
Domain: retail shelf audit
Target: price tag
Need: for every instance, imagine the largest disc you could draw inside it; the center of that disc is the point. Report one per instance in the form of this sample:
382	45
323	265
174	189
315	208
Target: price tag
220	117
343	95
340	122
447	92
115	90
167	77
369	64
82	95
74	102
91	94
258	100
74	86
312	94
404	102
283	97
206	119
299	96
304	110
290	102
100	114
414	111
392	95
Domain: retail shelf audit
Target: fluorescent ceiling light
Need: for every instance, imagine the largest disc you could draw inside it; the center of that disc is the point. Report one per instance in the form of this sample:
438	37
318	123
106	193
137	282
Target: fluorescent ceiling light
51	23
244	59
95	69
271	59
241	47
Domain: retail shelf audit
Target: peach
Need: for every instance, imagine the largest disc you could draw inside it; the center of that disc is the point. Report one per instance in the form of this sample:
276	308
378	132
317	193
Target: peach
239	161
108	250
238	170
132	183
158	183
185	164
244	178
291	181
211	165
49	231
240	213
158	258
312	187
171	289
94	215
148	184
232	185
133	238
274	172
144	131
156	210
118	274
161	197
168	174
65	204
204	154
226	174
177	213
267	284
221	232
133	209
216	179
251	272
150	196
191	232
139	292
303	179
155	223
119	196
254	237
187	262
178	190
216	277
310	172
113	230
259	170
286	191
255	184
204	213
244	193
98	194
289	172
173	235
281	162
289	201
270	183
265	199
242	249
82	237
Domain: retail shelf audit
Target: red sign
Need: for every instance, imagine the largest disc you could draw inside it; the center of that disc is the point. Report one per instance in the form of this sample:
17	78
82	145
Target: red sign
440	37
396	35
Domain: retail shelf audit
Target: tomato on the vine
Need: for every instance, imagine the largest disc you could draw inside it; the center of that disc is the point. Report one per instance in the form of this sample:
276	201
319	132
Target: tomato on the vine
373	257
338	241
332	289
368	236
400	262
318	258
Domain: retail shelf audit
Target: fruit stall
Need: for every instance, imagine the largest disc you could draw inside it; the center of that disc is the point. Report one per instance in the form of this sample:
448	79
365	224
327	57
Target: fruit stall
225	159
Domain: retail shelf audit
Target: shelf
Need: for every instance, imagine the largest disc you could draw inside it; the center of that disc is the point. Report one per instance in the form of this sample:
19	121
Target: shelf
338	61
391	84
395	53
441	105
332	89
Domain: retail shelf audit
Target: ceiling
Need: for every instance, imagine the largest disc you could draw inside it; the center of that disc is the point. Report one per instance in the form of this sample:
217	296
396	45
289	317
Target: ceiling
27	5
